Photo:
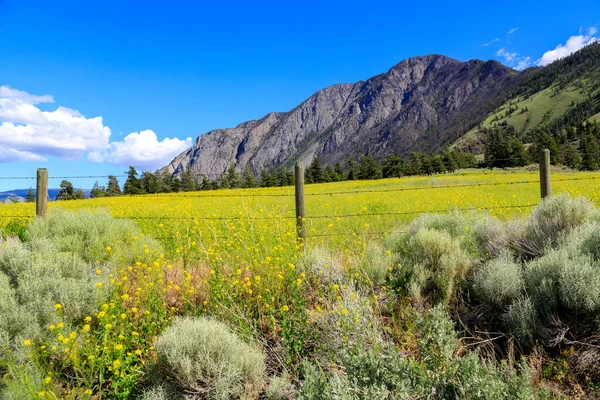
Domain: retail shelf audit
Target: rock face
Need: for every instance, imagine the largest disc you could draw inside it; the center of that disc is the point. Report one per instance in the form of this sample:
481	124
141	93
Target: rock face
421	104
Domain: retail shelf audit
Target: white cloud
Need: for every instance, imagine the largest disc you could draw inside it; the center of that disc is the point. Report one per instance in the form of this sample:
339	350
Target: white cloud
513	30
508	56
573	44
142	150
523	63
514	60
490	42
28	133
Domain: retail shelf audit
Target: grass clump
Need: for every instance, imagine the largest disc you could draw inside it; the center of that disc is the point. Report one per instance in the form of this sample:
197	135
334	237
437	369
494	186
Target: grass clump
204	358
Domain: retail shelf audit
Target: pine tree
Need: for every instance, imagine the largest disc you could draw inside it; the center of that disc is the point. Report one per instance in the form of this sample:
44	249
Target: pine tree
248	180
233	180
590	153
340	175
30	198
97	191
571	157
368	168
66	191
314	172
391	166
113	188
132	184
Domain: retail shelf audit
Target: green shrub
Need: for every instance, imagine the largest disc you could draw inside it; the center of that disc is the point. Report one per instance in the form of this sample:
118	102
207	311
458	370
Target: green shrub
431	263
375	263
498	282
348	323
439	373
491	237
520	321
322	264
160	392
89	234
579	283
551	221
280	388
203	357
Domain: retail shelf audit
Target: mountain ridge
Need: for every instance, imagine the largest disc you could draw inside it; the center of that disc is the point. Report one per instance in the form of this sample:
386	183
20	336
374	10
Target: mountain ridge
423	103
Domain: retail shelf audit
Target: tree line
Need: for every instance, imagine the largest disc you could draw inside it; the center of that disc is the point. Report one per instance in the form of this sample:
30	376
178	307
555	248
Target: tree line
365	167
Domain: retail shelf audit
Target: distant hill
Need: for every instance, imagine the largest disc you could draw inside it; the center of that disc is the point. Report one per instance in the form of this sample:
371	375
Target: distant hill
19	194
422	104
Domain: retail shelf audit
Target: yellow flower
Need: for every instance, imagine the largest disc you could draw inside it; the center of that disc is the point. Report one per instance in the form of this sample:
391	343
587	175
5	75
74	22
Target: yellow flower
52	327
125	297
123	316
58	306
285	308
89	392
108	249
47	380
88	318
98	271
138	352
99	285
86	328
26	342
119	347
134	310
108	326
116	364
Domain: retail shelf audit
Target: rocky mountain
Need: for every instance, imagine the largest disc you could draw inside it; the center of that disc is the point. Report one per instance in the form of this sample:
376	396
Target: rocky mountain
421	104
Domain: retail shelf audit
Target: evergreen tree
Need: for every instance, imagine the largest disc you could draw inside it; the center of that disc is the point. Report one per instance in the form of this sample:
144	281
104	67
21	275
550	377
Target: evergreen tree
340	175
449	159
175	184
233	180
437	164
113	188
188	182
206	184
30	198
328	174
97	191
267	179
352	170
248	180
314	172
392	166
571	157
590	153
78	194
368	168
132	184
66	191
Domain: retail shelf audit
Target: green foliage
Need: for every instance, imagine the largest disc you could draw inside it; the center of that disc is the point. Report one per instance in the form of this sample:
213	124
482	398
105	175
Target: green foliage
431	260
520	321
280	388
551	221
383	373
67	192
203	357
93	236
498	282
375	263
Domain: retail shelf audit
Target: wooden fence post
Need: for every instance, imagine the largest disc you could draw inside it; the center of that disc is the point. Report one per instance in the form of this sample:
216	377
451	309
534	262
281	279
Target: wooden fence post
41	194
300	216
545	188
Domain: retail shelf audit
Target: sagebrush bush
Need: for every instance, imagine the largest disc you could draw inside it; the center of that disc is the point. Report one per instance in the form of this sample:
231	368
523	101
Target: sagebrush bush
347	323
89	234
202	356
551	221
323	264
499	281
579	283
520	321
375	263
280	388
491	237
438	373
431	262
161	392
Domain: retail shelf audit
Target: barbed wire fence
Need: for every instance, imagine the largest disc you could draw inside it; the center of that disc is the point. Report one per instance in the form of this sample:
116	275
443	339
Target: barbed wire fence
299	195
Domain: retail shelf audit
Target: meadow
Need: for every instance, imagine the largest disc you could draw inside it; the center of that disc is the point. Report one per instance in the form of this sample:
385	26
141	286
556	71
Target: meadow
233	256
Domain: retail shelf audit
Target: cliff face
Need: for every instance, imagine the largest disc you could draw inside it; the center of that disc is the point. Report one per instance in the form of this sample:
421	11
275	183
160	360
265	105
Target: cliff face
421	104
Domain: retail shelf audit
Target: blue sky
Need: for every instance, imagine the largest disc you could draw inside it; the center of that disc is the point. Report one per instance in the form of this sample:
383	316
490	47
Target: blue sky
129	74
